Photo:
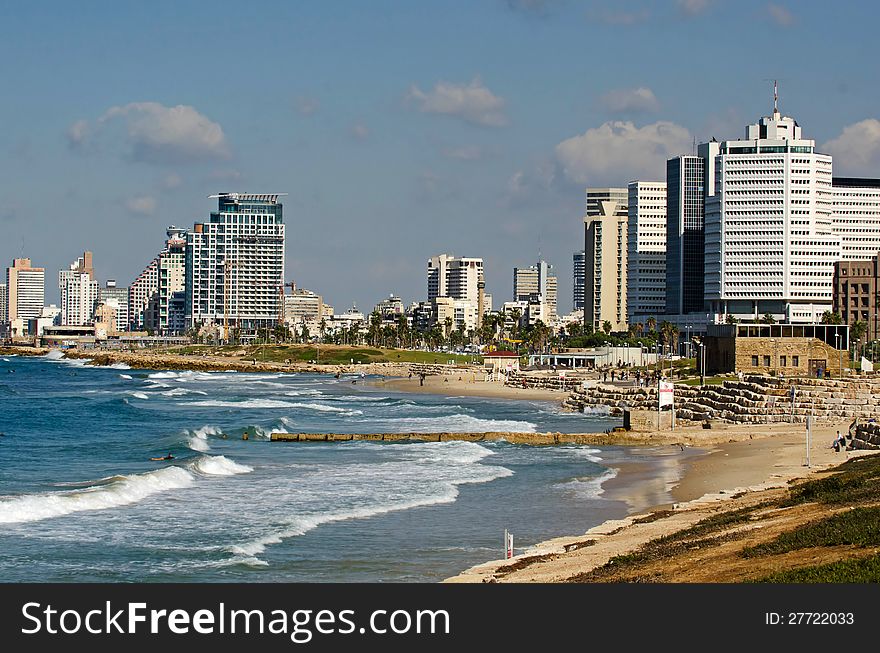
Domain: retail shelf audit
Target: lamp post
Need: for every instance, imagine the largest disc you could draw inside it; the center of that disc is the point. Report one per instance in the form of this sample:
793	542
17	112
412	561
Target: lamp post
702	363
839	354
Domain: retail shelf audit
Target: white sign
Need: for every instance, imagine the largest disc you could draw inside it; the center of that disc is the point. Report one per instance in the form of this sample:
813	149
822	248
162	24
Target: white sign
562	374
508	544
867	366
666	393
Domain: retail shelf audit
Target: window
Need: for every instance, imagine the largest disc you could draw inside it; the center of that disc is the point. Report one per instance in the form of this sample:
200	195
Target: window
766	361
783	360
795	361
754	361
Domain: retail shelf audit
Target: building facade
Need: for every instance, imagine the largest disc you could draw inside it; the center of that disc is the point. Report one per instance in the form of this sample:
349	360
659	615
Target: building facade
857	293
26	294
235	264
855	216
117	296
79	299
167	318
605	250
141	291
578	280
4	303
770	246
646	250
537	284
685	233
458	278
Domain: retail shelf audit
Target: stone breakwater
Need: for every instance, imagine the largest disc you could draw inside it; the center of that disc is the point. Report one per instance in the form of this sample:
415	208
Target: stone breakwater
755	399
164	361
543	382
536	439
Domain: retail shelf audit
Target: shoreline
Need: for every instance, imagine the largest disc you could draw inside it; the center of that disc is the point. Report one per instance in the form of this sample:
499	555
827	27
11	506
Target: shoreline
743	469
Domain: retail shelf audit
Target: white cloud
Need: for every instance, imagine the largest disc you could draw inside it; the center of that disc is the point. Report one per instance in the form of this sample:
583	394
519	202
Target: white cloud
473	103
693	7
143	205
463	153
780	15
171	182
306	106
160	134
77	134
630	100
857	149
360	132
617	152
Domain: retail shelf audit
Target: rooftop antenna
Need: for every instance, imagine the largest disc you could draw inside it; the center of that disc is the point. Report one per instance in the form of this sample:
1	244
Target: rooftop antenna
775	98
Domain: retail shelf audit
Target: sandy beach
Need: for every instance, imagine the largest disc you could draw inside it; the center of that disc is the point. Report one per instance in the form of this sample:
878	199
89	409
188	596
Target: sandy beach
469	384
752	465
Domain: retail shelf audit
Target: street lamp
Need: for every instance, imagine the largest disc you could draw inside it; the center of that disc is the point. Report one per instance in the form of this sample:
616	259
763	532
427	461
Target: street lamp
702	364
839	353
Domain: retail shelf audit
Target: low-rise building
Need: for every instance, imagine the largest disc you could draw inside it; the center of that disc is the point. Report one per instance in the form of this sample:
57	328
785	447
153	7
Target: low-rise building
782	349
857	293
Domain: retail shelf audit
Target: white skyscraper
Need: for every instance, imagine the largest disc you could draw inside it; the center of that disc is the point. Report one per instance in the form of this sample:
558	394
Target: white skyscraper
235	264
26	294
855	217
770	246
453	277
4	303
79	299
646	250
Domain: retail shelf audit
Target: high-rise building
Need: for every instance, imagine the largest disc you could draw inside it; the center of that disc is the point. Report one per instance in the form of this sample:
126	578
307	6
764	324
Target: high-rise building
171	270
302	305
646	250
4	303
770	246
537	285
453	277
685	233
26	294
117	297
235	264
78	290
142	290
578	279
79	299
605	258
855	216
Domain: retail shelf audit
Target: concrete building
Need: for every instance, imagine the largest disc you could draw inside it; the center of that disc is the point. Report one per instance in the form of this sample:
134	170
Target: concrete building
303	305
646	250
605	250
79	299
118	296
235	264
458	278
26	294
770	246
171	277
391	307
857	293
142	290
578	280
4	303
49	317
855	216
685	232
536	284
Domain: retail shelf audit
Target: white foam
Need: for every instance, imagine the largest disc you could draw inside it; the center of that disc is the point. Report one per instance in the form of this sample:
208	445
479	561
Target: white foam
585	452
119	366
139	395
121	491
179	392
588	488
219	466
249	403
329	409
125	376
54	355
198	441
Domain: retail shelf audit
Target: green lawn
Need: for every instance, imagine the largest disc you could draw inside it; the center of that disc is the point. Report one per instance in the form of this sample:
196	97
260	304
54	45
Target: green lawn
325	354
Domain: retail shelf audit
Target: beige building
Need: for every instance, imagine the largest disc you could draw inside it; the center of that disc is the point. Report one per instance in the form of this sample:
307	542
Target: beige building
26	294
536	285
605	262
780	349
304	305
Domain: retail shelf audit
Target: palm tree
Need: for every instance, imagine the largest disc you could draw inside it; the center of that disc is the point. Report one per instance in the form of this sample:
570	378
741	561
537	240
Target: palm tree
606	327
829	317
651	323
768	319
857	331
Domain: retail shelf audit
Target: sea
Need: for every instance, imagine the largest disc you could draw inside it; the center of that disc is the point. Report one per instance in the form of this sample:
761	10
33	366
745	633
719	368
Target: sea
82	500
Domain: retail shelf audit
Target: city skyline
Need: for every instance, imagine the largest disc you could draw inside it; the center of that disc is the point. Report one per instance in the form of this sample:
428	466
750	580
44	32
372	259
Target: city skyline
395	130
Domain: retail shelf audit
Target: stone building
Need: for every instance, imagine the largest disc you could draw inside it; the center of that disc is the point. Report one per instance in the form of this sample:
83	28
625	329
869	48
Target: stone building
780	349
857	293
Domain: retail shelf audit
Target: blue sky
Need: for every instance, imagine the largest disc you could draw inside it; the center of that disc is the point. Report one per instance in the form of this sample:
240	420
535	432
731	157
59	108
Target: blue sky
401	129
